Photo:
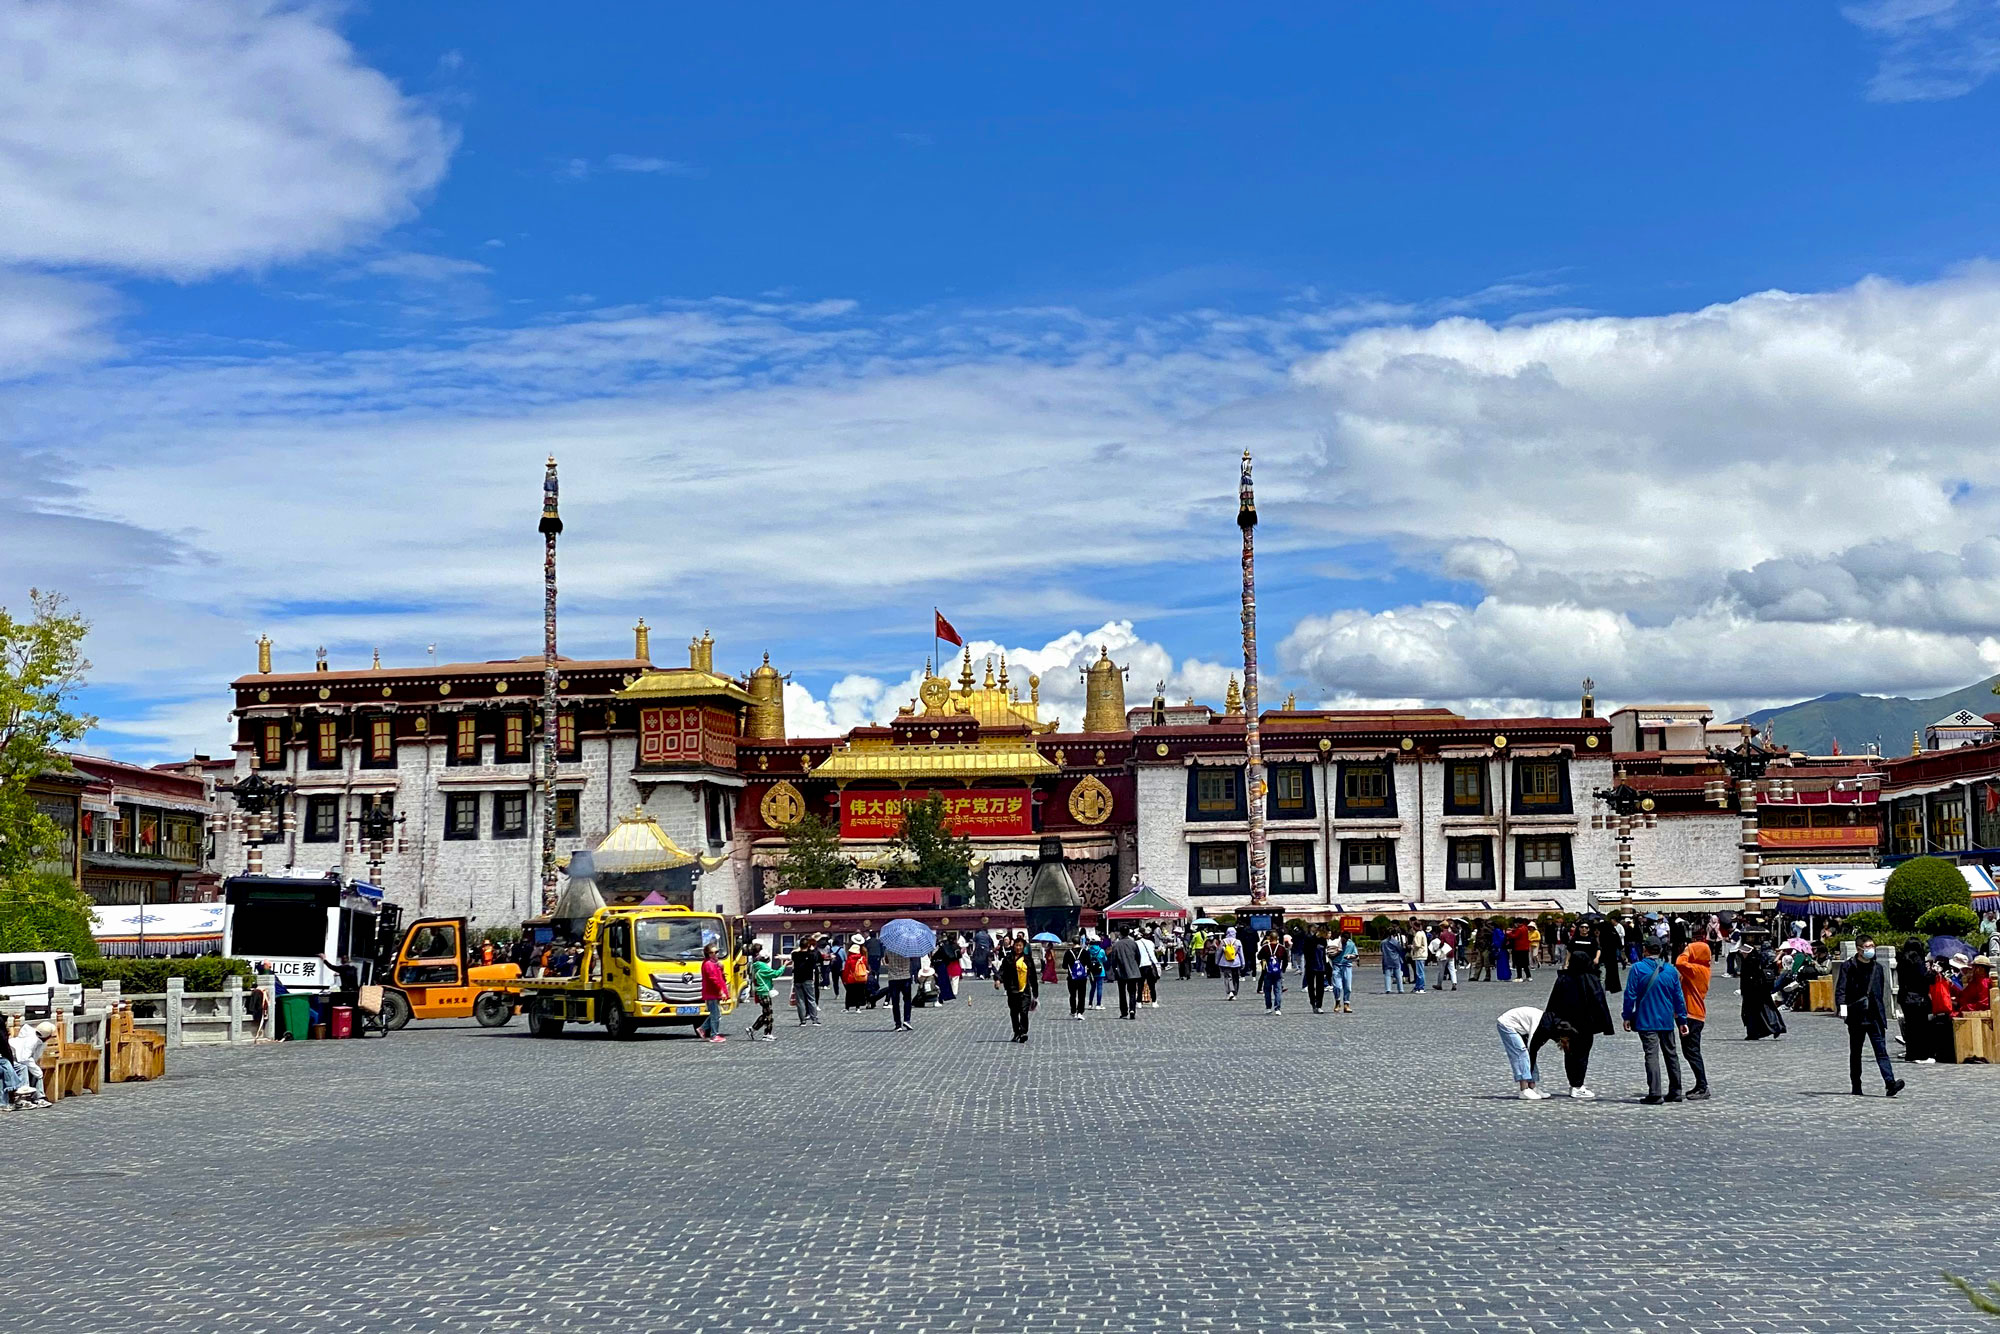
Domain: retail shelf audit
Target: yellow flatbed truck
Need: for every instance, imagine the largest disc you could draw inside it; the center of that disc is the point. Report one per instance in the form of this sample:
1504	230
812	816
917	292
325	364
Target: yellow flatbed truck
640	968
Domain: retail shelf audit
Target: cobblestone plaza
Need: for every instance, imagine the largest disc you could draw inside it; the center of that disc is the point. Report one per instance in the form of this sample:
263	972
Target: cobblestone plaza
1207	1167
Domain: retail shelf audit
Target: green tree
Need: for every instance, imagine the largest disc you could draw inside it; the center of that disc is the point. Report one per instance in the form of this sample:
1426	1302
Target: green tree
41	669
813	859
1920	884
927	853
1948	919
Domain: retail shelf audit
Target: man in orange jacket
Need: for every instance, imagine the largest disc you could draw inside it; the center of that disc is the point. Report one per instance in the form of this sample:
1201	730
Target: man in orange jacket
1694	965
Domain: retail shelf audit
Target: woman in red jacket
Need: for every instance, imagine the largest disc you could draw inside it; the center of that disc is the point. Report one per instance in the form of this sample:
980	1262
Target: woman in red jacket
714	987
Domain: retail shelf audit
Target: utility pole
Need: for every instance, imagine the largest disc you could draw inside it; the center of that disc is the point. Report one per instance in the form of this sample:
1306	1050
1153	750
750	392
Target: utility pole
1246	519
550	526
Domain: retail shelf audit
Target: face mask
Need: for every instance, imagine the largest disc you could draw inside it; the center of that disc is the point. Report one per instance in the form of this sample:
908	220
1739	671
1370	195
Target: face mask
1868	953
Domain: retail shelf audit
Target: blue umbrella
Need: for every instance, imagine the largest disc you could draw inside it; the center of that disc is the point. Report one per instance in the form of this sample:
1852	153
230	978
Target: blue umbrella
908	937
1049	938
1943	947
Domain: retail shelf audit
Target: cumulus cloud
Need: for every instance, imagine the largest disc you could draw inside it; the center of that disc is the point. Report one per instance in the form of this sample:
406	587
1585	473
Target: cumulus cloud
47	321
187	137
1931	49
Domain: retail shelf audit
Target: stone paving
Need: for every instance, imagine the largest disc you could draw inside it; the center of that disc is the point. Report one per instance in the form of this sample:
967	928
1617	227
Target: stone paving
1204	1168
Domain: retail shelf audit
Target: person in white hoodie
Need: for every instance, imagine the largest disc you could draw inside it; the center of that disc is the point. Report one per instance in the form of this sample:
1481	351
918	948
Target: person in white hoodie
1516	1027
26	1049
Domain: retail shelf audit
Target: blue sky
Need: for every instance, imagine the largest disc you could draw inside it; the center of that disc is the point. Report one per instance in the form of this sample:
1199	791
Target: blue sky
1657	345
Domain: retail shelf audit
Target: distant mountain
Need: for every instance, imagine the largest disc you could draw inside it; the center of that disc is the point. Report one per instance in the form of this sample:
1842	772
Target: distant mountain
1857	720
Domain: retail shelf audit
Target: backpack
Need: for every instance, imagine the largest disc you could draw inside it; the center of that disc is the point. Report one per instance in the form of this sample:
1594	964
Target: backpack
856	970
1076	969
1229	951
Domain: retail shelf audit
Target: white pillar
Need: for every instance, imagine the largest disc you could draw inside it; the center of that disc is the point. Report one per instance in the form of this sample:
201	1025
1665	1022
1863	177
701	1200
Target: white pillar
176	986
232	995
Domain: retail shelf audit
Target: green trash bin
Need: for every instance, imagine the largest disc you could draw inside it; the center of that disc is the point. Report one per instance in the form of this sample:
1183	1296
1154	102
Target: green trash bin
294	1016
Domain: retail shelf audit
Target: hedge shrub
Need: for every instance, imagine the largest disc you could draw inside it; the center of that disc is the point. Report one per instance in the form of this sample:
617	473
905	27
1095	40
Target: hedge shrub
1920	884
1866	923
1948	919
201	972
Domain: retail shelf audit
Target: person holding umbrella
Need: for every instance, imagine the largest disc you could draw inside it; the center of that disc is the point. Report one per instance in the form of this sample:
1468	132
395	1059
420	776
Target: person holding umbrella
904	940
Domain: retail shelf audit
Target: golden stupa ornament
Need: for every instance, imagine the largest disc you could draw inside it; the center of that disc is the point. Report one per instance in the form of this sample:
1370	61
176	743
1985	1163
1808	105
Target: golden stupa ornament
783	806
1232	700
1090	801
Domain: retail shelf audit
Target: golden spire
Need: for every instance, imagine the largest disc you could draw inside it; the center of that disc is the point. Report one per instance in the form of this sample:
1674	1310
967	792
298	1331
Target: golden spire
1034	689
1291	701
264	654
376	665
1232	701
1916	743
1003	670
965	671
988	683
642	641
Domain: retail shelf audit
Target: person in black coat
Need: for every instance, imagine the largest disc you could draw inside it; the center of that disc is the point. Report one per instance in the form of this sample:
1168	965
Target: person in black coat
1914	995
1577	1000
1860	994
1125	968
1016	975
1318	970
1758	980
1610	948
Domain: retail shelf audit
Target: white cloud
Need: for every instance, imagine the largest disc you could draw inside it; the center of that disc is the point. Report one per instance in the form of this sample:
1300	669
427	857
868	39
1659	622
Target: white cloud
1931	49
47	321
649	166
187	137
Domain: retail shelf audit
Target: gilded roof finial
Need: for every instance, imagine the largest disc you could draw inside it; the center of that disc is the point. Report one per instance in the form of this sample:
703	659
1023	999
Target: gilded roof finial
376	665
1003	670
1034	688
1916	743
1291	701
642	641
965	671
1232	700
264	654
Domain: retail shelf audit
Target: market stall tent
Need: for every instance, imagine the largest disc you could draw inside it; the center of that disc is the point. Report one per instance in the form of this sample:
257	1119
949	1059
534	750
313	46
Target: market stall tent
1827	891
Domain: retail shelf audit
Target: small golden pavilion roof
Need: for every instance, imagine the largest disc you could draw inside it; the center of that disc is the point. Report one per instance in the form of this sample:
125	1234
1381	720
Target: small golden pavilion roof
879	759
996	703
638	844
683	683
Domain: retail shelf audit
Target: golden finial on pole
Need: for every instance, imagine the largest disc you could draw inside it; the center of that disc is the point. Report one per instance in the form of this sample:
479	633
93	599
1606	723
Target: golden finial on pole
264	654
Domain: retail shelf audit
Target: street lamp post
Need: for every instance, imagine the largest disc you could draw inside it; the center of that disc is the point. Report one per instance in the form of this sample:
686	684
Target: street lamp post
263	814
1625	809
1747	765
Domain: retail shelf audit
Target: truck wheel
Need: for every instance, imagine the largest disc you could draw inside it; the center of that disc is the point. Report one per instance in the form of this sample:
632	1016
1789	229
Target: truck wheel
395	1010
540	1024
492	1010
616	1022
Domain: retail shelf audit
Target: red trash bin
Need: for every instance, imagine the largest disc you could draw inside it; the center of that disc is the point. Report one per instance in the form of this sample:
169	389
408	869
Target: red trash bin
340	1023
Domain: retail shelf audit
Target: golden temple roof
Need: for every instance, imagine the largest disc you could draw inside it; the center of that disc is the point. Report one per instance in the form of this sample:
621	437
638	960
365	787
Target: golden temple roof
683	683
880	759
638	844
994	703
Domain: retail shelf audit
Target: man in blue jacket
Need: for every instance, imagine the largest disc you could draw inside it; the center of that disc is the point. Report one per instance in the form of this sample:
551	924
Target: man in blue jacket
1656	1010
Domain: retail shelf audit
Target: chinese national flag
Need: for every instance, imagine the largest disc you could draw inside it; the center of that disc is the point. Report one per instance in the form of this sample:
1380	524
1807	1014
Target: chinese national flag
944	630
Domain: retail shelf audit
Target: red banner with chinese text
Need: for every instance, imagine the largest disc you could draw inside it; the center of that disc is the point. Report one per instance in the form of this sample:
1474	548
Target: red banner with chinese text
984	812
1835	836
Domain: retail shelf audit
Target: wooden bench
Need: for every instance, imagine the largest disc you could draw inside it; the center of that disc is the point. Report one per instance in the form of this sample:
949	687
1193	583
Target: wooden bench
1976	1037
70	1067
1819	993
129	1052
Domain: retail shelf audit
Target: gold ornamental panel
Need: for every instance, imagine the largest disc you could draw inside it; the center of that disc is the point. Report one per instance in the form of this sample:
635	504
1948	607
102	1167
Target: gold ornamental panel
1090	801
783	806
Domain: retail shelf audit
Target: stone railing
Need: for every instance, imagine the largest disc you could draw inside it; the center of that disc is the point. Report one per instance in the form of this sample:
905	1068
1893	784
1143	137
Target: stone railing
187	1018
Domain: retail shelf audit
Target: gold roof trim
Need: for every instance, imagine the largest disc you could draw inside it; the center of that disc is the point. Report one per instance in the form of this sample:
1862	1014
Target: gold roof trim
683	683
898	762
638	844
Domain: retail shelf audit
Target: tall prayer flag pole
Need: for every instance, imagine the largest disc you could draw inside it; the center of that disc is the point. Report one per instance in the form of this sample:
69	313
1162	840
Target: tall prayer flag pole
1246	519
550	525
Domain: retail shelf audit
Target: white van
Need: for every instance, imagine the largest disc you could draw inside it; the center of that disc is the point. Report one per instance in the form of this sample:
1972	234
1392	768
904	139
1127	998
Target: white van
44	981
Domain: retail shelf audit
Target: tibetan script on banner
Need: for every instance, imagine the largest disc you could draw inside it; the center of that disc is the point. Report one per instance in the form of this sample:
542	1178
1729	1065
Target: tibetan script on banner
979	813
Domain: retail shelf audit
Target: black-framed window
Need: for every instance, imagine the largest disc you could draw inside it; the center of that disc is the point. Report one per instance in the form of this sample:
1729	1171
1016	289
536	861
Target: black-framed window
461	815
1368	867
514	731
1471	864
1217	869
1465	788
322	820
1541	787
510	815
716	804
380	751
1291	795
325	752
1367	790
1544	861
271	747
464	740
1294	868
1215	793
568	821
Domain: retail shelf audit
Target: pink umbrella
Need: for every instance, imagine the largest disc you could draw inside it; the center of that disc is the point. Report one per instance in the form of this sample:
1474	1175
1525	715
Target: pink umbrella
1797	943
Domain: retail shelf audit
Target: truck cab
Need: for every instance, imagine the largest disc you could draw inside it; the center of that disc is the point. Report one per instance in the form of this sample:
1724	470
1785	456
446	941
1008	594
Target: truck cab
641	968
